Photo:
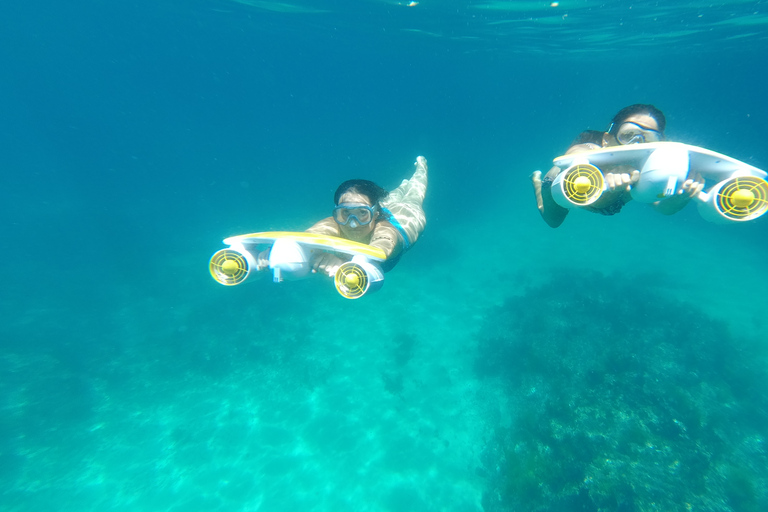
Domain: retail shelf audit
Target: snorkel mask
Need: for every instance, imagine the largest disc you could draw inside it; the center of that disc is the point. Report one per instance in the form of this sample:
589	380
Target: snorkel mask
353	214
629	132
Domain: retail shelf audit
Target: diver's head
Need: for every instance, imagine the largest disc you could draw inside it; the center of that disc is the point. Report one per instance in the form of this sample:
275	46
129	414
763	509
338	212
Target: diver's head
636	124
357	208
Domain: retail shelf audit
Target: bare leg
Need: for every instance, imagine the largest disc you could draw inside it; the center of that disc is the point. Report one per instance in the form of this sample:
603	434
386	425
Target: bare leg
405	202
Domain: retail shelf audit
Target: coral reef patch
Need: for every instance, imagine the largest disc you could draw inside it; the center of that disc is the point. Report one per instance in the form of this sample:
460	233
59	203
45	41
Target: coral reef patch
622	399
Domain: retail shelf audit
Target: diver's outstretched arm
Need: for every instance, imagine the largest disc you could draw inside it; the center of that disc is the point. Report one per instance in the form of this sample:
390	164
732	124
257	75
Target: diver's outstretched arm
327	226
552	213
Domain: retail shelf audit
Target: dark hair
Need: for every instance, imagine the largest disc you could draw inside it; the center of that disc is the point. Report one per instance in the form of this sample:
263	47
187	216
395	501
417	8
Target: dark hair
638	108
589	136
364	187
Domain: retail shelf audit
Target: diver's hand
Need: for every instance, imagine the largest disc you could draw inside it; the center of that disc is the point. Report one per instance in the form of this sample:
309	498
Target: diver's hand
326	263
616	184
622	182
262	259
690	189
536	181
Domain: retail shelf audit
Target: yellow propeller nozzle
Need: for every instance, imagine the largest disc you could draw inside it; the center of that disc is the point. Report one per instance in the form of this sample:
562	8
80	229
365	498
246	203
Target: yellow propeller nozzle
230	267
581	184
742	198
351	280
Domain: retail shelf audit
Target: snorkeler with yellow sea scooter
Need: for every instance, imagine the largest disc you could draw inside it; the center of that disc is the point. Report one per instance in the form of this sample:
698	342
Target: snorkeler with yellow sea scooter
368	232
602	171
733	191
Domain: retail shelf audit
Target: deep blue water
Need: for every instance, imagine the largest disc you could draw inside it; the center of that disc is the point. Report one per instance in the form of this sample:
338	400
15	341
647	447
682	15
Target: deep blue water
135	136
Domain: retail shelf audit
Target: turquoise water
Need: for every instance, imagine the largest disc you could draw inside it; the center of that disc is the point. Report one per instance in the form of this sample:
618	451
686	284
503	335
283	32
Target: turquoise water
616	363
